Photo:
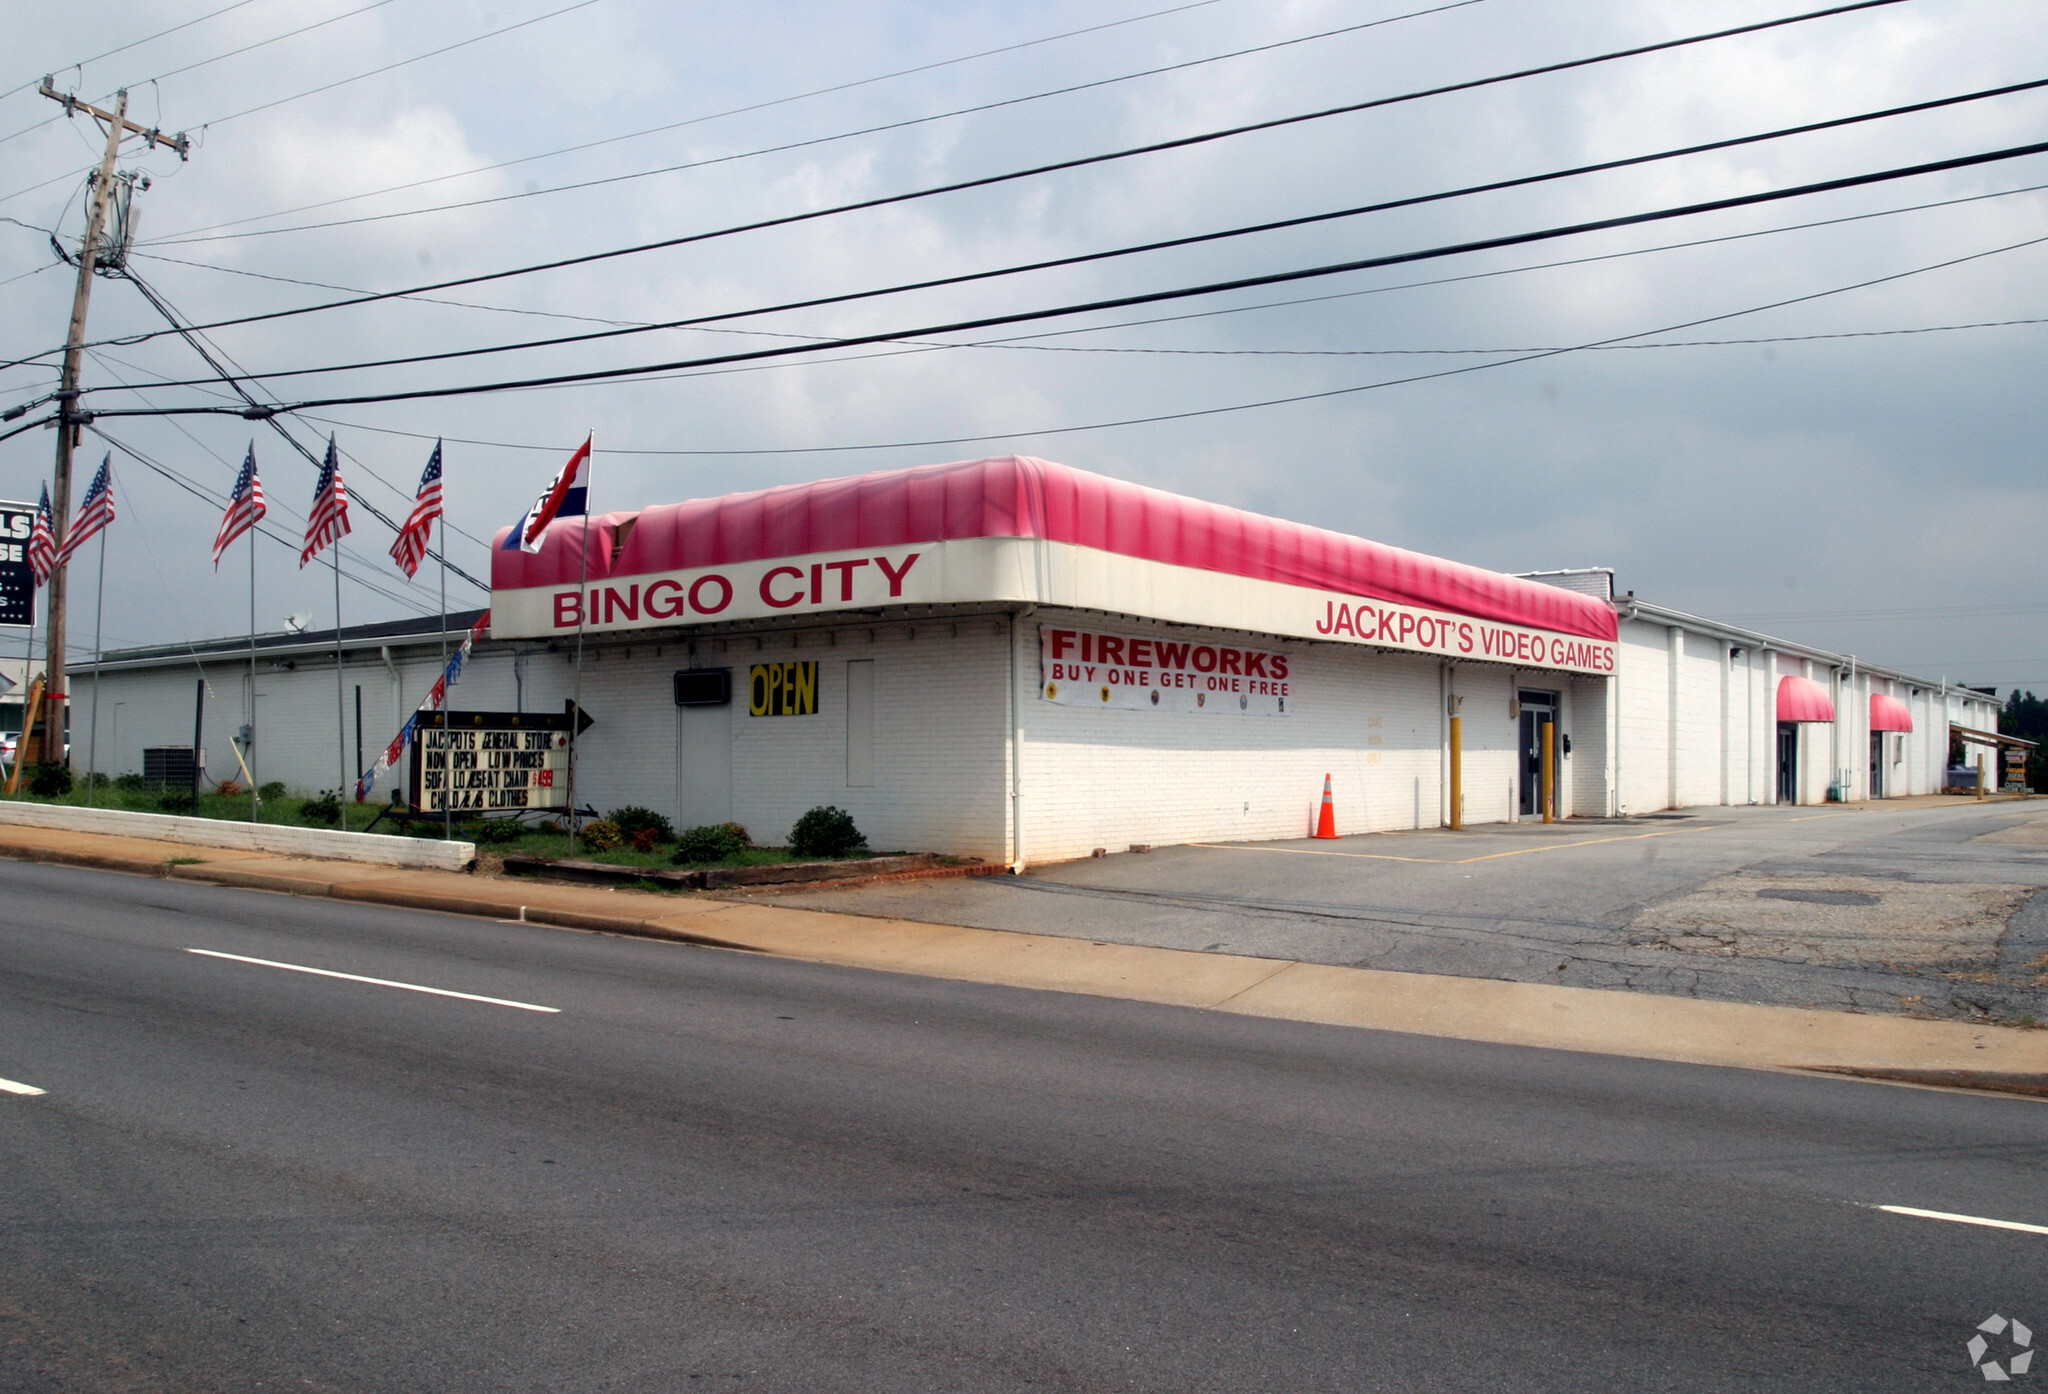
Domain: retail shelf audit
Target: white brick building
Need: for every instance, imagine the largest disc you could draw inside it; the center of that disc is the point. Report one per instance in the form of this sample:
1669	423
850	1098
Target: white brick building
1025	663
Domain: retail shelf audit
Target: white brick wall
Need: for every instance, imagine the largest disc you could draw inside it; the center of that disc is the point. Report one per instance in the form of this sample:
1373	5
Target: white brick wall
944	702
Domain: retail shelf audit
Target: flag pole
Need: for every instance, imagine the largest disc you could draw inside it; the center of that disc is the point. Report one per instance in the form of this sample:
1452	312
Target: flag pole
343	790
99	613
582	617
28	664
447	700
255	799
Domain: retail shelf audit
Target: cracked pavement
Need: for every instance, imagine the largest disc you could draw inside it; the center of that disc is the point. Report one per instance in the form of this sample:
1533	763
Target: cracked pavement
1917	909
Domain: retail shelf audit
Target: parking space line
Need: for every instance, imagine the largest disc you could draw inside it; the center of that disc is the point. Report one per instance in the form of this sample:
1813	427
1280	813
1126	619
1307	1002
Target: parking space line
8	1086
375	982
1961	1219
1320	852
1583	842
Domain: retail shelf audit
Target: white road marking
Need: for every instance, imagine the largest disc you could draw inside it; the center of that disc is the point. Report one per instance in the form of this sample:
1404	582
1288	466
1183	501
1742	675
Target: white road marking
8	1086
1963	1219
375	982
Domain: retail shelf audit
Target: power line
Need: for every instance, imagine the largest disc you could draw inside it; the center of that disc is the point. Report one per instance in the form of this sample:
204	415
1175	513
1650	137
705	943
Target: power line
1322	395
720	115
193	234
401	63
200	492
986	181
135	43
1184	292
324	87
1022	340
219	57
1194	239
199	346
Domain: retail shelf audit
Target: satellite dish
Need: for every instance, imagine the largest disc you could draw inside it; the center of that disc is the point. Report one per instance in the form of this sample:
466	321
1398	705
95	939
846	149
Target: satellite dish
296	624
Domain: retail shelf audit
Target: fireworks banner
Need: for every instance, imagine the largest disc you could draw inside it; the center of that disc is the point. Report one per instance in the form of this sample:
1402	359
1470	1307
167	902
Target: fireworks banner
436	698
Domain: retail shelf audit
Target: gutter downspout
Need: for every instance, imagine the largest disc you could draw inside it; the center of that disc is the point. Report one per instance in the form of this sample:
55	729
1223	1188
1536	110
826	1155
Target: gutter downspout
1016	743
397	690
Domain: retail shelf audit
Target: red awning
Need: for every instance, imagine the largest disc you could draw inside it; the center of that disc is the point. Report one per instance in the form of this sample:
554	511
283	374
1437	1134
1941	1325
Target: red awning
1019	496
1886	713
1803	699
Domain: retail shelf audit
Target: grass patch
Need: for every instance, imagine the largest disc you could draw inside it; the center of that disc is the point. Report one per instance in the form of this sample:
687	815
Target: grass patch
186	861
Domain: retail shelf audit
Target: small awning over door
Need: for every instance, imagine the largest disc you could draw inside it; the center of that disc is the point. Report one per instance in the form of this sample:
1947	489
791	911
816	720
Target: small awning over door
1888	713
1803	699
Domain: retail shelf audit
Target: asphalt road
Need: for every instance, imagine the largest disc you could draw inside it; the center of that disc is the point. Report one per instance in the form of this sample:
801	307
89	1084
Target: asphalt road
712	1171
1529	903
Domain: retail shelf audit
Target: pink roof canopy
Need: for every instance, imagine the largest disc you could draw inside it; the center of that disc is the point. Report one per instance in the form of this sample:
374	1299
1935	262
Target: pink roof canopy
1019	496
1889	713
1803	699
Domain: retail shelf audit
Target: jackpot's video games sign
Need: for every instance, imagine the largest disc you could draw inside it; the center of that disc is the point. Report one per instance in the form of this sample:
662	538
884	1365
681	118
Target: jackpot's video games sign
1083	668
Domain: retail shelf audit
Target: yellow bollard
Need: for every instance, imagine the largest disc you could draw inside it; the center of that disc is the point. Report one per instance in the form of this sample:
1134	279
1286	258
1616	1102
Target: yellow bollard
1457	773
1549	757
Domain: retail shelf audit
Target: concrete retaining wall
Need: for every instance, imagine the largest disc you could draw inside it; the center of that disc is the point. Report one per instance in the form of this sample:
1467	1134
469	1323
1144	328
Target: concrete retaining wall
251	837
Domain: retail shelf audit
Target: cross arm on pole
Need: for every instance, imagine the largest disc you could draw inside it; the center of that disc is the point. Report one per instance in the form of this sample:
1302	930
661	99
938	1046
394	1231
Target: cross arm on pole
179	142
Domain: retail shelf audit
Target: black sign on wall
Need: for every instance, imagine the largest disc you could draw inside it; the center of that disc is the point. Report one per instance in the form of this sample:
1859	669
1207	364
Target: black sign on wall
17	582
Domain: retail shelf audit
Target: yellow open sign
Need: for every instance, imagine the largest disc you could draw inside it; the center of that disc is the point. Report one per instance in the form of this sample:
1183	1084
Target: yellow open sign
783	689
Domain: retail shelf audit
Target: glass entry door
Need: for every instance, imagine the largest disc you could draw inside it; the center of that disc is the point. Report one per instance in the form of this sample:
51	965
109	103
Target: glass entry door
1537	708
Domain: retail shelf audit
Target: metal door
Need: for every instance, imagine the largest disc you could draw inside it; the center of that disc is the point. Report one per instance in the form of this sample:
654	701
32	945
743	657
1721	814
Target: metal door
704	766
1788	762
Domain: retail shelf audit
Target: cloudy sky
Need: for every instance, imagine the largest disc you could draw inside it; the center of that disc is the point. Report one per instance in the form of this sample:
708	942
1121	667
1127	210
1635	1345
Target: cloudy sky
1859	469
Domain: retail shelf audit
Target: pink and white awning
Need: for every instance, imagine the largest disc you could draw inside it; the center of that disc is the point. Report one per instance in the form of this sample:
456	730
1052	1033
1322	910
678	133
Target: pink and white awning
1803	699
1018	529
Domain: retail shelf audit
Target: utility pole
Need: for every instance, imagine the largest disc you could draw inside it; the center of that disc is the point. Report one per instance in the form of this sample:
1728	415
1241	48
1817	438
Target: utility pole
69	419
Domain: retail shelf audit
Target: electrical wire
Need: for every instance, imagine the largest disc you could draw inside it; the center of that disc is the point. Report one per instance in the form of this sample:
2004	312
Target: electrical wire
217	58
1193	239
133	43
985	181
1184	292
1024	340
720	115
192	235
200	491
401	63
205	351
1298	398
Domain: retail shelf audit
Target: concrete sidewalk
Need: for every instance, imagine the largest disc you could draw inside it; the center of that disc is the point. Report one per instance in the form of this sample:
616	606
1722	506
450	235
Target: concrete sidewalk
1475	1009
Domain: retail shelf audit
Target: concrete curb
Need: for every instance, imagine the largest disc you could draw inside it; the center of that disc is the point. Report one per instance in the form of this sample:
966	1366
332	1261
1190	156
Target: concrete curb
378	848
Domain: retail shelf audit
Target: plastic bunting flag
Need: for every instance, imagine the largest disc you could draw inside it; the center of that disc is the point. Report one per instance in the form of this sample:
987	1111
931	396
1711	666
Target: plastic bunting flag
436	696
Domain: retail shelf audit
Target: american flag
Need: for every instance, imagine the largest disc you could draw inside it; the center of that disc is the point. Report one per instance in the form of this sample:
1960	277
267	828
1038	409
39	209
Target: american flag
42	543
328	521
411	545
245	506
95	513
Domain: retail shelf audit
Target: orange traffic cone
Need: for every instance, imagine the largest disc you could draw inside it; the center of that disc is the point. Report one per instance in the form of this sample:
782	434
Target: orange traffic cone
1326	822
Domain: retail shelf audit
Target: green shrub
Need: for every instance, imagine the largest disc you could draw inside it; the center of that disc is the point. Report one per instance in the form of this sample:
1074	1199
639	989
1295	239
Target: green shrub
267	792
826	832
632	820
495	830
324	810
602	835
174	801
51	780
130	783
712	843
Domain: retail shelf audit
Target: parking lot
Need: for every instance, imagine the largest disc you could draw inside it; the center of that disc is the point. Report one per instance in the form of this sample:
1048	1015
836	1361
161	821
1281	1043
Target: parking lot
1926	908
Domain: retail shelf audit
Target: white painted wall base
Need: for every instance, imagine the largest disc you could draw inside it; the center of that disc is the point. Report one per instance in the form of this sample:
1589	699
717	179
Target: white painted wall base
419	853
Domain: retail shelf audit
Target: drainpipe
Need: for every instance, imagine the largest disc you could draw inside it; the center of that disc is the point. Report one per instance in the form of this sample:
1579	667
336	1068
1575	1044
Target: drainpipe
1017	746
397	690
